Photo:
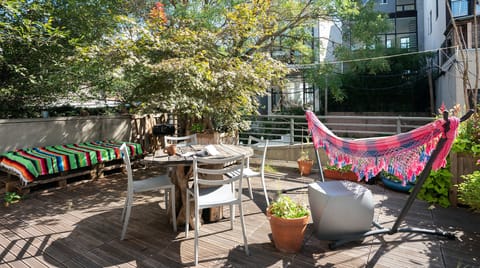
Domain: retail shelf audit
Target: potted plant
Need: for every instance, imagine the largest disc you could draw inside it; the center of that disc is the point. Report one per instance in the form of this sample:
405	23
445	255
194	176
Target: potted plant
340	173
288	221
305	164
395	183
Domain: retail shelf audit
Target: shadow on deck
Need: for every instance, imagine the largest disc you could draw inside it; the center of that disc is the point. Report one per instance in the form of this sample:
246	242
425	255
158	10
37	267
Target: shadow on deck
79	226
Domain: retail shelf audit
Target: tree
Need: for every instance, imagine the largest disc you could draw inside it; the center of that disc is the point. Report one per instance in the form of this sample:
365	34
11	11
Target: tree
39	41
361	52
210	60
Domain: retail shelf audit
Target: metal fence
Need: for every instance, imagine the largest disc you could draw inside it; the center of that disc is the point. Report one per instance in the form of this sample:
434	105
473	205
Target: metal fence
291	128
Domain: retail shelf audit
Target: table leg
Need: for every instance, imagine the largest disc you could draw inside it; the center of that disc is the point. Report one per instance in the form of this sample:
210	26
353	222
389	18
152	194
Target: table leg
180	178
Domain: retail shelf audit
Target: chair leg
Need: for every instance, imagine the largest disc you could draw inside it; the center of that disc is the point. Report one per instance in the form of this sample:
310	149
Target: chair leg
174	212
232	217
244	231
124	209
187	214
265	190
197	216
250	188
127	218
166	197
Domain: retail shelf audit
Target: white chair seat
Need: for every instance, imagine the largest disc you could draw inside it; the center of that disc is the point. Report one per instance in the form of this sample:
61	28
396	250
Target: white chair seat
151	184
215	196
248	172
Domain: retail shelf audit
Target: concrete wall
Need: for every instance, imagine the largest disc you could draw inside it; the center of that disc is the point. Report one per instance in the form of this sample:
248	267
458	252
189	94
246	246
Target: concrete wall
434	37
25	133
293	152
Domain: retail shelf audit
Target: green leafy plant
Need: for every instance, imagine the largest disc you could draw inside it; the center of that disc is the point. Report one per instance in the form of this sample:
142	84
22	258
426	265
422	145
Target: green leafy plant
270	169
343	169
11	197
390	176
286	208
436	187
469	190
468	139
196	128
304	156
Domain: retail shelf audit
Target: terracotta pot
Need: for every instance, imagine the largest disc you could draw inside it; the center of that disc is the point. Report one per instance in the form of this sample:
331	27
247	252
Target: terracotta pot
305	166
338	175
288	234
171	149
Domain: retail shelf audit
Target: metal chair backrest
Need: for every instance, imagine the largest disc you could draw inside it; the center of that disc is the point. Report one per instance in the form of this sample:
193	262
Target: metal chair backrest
213	172
260	154
181	140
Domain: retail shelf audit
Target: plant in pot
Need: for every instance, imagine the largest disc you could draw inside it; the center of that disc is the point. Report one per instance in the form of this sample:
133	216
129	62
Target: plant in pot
305	164
288	222
340	173
395	183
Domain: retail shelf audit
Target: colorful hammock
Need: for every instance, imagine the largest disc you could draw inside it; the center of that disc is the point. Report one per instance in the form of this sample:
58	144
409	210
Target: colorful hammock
29	164
403	155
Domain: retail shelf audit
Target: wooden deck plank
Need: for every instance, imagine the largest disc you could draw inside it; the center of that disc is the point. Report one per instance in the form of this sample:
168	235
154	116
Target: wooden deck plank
79	226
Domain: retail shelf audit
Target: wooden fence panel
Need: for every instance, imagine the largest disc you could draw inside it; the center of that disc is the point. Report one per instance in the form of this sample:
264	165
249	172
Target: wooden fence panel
461	164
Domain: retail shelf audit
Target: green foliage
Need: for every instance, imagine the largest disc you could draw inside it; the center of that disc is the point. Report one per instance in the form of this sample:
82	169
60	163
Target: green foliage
39	46
469	190
390	176
204	60
196	128
345	168
11	197
468	139
436	187
286	208
270	169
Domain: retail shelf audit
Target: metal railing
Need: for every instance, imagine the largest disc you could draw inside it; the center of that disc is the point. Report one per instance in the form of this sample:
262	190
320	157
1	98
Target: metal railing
291	128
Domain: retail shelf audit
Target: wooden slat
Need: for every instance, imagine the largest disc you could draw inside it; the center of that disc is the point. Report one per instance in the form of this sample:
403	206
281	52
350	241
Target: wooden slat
80	227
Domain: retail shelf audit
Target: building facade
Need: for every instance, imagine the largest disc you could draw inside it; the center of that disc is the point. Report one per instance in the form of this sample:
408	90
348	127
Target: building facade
458	50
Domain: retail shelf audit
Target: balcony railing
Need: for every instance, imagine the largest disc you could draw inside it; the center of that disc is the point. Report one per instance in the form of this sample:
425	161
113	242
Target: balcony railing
291	128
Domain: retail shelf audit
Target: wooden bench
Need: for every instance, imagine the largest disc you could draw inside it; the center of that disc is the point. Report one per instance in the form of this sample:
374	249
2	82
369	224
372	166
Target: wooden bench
100	160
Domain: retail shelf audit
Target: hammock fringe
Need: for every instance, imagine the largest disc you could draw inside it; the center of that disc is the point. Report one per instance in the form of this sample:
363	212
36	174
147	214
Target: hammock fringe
403	155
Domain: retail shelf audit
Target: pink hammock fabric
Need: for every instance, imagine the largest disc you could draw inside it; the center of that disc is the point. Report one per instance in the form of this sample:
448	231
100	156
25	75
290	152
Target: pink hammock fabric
403	155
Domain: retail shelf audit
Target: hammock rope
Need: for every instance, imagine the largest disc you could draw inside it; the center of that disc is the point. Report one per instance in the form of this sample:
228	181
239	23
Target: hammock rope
403	155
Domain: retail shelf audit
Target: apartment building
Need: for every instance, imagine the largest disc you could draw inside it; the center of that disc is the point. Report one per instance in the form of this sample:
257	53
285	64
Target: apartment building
417	26
457	50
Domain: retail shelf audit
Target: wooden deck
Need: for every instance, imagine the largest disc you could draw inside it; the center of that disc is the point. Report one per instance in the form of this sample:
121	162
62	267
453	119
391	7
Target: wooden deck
79	226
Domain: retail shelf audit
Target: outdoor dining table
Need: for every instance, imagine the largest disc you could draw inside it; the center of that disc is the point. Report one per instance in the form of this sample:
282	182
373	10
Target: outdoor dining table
181	170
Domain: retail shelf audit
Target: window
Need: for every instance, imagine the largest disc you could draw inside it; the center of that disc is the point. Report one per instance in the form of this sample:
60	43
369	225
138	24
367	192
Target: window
406	25
459	7
405	5
389	43
436	9
405	42
383	2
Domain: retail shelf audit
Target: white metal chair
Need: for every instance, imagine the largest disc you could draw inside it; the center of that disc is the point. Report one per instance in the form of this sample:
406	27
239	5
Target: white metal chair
248	172
181	140
138	186
225	191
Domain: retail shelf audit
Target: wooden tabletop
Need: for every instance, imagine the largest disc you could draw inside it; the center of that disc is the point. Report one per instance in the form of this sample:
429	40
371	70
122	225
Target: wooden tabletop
185	154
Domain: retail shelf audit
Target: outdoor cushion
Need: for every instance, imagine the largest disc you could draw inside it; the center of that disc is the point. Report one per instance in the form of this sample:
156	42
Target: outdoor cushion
28	164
